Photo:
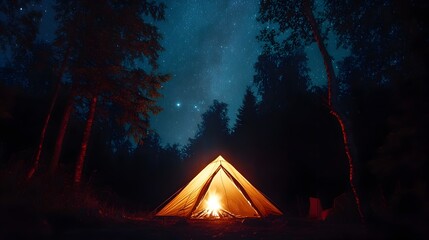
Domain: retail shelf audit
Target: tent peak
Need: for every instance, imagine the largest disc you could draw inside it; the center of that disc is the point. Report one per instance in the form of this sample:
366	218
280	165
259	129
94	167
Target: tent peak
219	159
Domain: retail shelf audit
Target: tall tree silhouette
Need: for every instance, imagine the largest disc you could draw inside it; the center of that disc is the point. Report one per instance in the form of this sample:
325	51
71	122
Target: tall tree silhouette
214	121
58	78
211	137
247	115
68	45
109	65
19	26
297	18
18	31
245	135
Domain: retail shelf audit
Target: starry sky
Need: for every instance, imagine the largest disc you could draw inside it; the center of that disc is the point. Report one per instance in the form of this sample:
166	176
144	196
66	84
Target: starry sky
210	50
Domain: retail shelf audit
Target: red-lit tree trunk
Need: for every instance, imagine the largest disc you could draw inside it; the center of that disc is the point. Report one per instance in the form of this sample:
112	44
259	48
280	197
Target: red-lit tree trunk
330	74
43	133
85	140
48	118
61	134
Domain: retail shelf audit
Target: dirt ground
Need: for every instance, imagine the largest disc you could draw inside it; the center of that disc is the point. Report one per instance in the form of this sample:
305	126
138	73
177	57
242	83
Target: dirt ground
280	228
223	230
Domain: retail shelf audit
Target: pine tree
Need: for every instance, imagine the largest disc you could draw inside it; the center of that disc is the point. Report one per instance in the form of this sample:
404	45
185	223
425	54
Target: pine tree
247	114
211	137
214	120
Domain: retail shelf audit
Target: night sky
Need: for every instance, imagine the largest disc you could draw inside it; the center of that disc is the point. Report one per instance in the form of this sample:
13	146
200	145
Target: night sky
210	50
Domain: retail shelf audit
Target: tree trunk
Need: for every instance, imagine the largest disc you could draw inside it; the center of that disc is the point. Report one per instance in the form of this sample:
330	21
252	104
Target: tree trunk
61	134
48	117
330	74
43	133
85	140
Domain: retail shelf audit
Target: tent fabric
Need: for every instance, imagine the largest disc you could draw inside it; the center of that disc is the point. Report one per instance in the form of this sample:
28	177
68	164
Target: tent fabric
219	191
315	208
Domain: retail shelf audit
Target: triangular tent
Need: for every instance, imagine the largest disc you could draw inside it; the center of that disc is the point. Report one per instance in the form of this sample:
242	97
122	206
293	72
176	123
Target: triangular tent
219	191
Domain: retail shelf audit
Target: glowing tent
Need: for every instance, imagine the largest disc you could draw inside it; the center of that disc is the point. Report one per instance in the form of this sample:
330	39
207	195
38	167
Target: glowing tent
219	191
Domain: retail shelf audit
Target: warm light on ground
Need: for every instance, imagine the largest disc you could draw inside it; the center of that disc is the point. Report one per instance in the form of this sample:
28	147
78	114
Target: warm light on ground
213	205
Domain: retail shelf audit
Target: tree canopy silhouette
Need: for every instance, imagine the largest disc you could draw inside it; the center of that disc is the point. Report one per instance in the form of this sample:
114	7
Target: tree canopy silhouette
211	138
112	51
19	25
297	21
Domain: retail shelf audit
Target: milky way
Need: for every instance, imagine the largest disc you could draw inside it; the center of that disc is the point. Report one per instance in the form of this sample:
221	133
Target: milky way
210	50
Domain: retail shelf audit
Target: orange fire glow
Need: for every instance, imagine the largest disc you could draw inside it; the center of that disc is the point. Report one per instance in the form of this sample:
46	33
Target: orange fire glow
213	205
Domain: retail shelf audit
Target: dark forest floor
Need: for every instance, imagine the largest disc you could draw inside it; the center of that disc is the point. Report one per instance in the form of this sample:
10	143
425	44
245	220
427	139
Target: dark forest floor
67	227
37	213
220	230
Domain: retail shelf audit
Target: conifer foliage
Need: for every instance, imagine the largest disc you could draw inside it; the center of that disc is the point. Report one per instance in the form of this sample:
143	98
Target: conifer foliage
110	50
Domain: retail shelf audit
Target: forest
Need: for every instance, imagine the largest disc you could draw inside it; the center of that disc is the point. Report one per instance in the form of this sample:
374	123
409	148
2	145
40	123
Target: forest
75	114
